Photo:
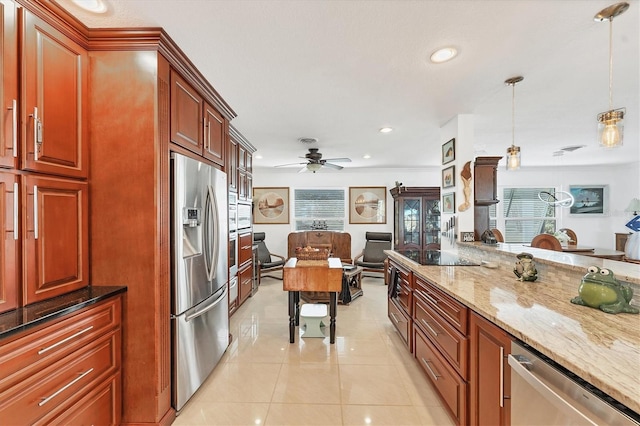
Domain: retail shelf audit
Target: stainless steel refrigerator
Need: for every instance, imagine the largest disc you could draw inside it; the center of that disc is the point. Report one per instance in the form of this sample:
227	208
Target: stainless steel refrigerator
200	307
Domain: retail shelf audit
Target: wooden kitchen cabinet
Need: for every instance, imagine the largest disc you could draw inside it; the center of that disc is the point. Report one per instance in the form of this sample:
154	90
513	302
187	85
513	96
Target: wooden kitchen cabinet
56	241
9	125
195	124
490	374
66	369
10	249
485	192
245	266
232	161
54	108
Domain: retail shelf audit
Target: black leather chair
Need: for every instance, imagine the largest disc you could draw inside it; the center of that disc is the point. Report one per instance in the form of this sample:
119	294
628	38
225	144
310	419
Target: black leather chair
267	261
372	257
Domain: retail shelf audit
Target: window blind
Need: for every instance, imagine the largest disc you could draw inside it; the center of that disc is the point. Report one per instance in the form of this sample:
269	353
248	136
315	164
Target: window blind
317	208
524	215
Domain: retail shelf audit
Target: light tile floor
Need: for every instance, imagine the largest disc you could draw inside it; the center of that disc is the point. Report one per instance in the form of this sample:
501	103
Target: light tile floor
367	377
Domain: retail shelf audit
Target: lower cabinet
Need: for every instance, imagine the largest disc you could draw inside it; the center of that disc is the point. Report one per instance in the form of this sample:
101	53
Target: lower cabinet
490	381
66	372
245	266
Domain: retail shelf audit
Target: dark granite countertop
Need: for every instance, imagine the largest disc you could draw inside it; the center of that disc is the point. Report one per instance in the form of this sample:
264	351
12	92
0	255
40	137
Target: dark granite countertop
39	313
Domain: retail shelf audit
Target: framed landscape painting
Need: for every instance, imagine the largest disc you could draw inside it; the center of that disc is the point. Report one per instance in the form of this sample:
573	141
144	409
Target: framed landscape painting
271	205
589	200
367	204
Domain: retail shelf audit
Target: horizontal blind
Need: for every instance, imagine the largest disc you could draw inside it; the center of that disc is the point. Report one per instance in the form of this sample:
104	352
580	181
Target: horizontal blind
525	215
319	207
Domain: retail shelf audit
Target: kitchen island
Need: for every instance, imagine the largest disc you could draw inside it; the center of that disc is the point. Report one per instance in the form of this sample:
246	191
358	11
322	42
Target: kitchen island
602	349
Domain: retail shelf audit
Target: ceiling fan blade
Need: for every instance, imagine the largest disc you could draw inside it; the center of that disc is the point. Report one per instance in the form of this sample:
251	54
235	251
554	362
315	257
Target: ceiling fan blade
333	166
303	170
289	164
339	160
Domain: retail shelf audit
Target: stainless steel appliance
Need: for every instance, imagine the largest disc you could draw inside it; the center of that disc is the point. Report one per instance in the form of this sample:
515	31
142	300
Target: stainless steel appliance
233	212
543	393
233	254
200	307
244	215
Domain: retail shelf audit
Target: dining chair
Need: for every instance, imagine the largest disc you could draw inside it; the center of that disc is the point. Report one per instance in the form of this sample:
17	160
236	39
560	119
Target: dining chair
572	235
496	233
546	241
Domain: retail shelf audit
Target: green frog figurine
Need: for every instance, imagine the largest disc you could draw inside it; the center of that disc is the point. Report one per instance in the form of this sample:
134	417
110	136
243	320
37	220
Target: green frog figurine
525	268
600	289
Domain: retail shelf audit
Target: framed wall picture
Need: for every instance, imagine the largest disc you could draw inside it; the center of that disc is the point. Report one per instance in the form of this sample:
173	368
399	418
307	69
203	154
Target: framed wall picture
589	200
449	151
367	204
449	177
271	205
449	202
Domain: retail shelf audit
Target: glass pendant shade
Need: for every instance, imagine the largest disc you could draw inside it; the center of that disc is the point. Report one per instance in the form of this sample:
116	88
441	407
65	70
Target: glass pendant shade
314	167
513	157
611	128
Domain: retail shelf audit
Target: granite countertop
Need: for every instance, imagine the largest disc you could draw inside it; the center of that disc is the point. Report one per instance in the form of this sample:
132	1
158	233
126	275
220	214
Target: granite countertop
603	349
36	314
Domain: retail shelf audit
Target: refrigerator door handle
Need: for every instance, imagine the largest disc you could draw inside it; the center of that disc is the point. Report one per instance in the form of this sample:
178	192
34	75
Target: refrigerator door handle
199	311
211	234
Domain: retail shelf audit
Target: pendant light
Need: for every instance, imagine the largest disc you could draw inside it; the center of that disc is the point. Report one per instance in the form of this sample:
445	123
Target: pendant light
513	152
610	123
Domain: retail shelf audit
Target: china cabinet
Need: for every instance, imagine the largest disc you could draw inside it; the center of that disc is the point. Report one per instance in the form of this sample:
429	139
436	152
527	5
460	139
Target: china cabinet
416	218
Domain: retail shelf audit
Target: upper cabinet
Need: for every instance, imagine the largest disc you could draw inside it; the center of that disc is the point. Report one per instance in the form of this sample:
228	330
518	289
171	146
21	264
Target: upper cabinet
196	125
416	219
240	171
9	88
54	107
485	173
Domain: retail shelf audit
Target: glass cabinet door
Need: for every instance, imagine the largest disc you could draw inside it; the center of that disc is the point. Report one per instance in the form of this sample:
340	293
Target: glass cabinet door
411	217
432	224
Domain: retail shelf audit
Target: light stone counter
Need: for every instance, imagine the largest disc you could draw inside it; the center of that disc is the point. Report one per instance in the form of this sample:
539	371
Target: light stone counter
603	349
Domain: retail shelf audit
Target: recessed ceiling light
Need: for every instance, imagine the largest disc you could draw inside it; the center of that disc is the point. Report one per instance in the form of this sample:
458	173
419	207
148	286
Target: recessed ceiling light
258	156
386	130
367	156
94	6
443	55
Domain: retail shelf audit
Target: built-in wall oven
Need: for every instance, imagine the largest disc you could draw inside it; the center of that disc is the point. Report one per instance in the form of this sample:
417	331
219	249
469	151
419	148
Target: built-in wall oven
233	212
233	254
543	393
244	215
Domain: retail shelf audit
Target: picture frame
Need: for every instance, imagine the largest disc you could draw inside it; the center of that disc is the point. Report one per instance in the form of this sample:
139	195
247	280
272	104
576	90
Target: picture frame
271	205
449	177
589	200
449	151
367	204
449	202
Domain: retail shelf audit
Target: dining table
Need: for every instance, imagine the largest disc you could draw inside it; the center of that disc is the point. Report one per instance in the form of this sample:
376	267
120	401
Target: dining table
593	251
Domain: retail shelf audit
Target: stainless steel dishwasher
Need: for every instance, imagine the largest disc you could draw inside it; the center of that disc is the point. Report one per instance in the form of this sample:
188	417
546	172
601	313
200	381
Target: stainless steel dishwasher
544	393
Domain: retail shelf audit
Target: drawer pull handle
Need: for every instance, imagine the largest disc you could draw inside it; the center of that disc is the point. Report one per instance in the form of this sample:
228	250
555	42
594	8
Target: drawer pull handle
65	387
16	204
35	212
430	298
395	318
433	373
431	329
14	126
65	340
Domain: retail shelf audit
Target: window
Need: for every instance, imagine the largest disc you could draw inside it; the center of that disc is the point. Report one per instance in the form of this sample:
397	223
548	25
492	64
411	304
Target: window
319	209
523	215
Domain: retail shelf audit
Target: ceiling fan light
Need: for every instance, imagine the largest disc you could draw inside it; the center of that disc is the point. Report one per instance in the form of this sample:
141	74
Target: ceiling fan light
611	128
314	167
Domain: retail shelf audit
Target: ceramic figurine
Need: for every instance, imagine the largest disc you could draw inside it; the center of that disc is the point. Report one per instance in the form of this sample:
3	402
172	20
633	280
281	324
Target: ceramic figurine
525	268
600	289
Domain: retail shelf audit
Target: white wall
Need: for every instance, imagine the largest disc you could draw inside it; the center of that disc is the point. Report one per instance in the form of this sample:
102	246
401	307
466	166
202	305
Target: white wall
623	181
276	235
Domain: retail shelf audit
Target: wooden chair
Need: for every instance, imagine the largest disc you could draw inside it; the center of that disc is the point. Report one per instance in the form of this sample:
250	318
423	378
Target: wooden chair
571	234
498	235
546	241
266	261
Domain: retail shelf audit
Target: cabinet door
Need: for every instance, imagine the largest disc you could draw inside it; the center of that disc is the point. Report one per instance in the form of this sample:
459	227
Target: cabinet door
490	379
9	275
9	85
55	132
410	225
431	224
214	132
186	115
56	247
232	166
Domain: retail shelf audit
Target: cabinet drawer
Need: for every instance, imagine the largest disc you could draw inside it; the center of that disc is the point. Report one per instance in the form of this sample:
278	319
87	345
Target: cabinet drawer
53	389
244	248
454	312
24	354
401	322
452	345
449	385
100	405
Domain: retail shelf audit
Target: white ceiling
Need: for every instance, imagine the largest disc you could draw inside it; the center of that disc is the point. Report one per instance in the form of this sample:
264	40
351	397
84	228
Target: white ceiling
340	70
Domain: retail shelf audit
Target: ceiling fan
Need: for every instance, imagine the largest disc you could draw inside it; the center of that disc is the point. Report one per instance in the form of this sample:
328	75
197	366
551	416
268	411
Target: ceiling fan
315	162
